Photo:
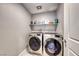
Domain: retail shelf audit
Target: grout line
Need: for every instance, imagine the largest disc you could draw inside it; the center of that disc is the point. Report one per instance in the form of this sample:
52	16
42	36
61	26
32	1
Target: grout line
73	51
73	39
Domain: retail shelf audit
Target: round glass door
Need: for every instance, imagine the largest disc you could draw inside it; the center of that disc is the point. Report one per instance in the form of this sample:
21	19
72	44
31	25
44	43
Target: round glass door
53	47
34	43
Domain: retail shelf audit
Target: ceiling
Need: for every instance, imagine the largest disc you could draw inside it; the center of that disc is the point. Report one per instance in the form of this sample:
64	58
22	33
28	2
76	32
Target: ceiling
34	8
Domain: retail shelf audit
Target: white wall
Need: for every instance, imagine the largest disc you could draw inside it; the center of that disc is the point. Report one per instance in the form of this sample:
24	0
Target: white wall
45	18
74	21
60	16
73	41
71	28
14	25
66	27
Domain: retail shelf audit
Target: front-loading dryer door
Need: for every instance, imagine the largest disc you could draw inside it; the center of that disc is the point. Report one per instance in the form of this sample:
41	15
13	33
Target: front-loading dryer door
52	47
34	43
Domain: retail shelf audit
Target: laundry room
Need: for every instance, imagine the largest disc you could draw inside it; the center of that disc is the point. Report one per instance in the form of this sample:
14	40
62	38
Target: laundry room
31	29
46	22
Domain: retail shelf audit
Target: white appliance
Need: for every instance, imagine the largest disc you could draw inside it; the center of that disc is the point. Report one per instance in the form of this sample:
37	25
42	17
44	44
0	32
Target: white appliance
34	45
53	45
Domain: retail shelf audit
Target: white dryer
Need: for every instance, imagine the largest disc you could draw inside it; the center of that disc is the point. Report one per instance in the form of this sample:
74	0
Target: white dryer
53	45
34	45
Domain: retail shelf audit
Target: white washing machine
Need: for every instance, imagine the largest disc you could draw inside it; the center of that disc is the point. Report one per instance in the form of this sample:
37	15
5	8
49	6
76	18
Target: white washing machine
53	45
34	45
